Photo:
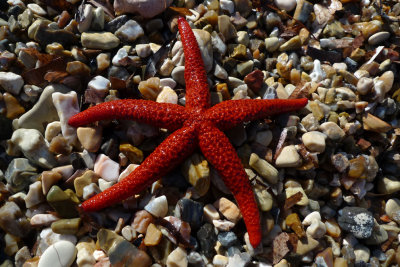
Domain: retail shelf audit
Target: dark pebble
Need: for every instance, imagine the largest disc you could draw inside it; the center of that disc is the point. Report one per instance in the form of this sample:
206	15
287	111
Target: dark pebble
352	65
77	161
6	128
14	10
207	238
111	148
190	211
358	221
227	239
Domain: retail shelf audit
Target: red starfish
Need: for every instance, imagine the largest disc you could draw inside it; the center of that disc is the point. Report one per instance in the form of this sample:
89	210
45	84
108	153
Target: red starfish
196	124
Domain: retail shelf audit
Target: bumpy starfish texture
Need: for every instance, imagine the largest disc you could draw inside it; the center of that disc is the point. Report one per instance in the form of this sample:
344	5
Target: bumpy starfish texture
195	125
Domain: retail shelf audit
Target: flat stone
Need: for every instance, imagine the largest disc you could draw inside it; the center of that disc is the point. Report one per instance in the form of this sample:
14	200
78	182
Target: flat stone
332	130
374	124
378	38
314	141
102	40
153	236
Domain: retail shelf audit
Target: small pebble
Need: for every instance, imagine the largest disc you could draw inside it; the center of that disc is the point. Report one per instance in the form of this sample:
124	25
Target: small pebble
106	168
228	209
62	253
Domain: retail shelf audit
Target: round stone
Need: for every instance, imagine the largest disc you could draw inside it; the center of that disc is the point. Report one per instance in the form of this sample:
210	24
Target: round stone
60	254
287	5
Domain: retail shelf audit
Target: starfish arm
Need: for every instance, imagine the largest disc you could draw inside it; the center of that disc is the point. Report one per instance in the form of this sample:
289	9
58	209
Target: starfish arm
197	91
170	153
228	114
163	115
220	153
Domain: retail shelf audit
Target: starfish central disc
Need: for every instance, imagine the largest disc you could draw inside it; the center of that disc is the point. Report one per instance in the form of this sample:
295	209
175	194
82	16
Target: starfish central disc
195	125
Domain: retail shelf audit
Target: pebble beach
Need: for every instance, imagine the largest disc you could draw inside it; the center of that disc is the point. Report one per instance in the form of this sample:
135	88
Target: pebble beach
326	178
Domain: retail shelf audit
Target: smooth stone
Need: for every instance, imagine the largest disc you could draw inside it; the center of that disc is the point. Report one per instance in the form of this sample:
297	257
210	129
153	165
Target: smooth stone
166	67
264	138
11	82
66	226
392	209
167	95
143	50
90	191
13	221
60	254
20	173
158	206
116	23
177	258
43	112
43	219
130	31
357	220
101	40
314	141
271	44
265	169
226	28
204	41
66	105
90	137
245	68
388	185
34	147
47	35
13	107
64	204
263	197
287	5
48	238
362	253
147	9
178	74
332	130
106	168
220	260
378	38
153	236
35	195
288	158
103	61
100	84
293	43
228	209
98	19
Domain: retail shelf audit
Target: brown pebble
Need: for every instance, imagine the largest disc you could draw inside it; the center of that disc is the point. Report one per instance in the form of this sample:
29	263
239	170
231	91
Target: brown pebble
254	80
14	109
228	209
63	20
374	124
153	235
357	167
59	145
90	137
325	257
293	221
141	221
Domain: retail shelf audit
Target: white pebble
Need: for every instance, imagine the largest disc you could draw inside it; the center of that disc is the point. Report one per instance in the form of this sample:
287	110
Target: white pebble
178	257
43	219
223	225
106	168
287	5
60	254
158	206
100	84
143	50
103	184
289	157
35	8
317	74
314	141
127	171
167	82
11	82
167	95
90	191
66	106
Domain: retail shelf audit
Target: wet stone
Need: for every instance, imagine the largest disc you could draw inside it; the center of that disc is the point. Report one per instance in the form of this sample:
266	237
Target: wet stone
356	220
